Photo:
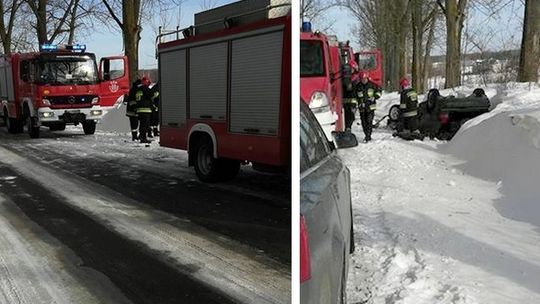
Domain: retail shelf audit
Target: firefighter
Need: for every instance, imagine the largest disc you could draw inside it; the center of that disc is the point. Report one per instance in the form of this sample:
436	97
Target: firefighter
408	128
131	109
428	114
368	93
349	101
154	121
143	96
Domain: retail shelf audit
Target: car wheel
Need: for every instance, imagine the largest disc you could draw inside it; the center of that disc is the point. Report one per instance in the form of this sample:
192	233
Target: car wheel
206	166
395	113
89	127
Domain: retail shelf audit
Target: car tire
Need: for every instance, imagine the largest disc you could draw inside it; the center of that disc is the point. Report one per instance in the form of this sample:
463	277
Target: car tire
206	166
394	114
89	127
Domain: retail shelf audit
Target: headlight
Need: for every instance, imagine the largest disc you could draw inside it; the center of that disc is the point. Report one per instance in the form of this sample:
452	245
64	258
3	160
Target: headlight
319	102
46	114
46	102
95	100
96	112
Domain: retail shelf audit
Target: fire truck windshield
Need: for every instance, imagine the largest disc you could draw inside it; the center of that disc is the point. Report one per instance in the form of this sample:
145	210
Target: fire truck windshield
367	61
311	58
66	69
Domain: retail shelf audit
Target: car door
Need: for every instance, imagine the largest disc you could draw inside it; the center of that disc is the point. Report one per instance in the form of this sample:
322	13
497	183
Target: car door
114	75
325	207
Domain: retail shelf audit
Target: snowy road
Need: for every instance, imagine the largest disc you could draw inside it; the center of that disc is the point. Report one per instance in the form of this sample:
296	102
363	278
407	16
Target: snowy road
427	232
138	225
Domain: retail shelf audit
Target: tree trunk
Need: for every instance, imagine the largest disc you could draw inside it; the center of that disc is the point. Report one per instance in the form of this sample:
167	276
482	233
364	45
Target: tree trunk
530	46
73	23
41	22
454	11
426	65
131	33
417	33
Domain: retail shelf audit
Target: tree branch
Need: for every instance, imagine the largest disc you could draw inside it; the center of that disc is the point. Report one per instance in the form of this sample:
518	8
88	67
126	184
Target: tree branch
113	15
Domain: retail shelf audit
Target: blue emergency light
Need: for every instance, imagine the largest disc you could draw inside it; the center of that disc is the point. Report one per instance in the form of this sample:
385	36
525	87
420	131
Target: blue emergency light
306	26
69	47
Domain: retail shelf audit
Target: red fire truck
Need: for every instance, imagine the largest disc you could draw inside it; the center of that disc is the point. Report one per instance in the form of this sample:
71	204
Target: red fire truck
371	62
57	86
320	78
225	88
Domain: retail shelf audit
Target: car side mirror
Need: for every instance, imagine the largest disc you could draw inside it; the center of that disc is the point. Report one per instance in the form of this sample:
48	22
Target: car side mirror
345	140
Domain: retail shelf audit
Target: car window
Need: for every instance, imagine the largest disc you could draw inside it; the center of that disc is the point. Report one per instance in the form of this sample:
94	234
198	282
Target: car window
313	143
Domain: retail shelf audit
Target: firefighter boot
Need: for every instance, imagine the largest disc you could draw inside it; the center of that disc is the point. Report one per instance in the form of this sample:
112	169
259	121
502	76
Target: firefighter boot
134	136
156	131
149	135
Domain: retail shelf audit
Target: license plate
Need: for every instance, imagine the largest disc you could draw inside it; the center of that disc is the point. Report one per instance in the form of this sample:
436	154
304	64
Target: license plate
73	111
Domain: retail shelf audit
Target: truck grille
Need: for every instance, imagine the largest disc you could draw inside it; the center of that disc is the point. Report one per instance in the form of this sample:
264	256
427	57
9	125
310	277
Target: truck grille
71	100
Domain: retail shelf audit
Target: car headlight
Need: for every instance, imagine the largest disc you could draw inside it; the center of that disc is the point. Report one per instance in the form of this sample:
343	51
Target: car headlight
95	100
96	112
319	102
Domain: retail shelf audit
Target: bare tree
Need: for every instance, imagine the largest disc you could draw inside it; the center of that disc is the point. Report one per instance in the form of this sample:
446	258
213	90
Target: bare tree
530	45
9	9
423	16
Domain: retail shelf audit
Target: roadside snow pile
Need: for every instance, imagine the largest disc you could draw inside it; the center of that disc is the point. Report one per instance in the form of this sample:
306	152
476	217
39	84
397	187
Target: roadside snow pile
504	146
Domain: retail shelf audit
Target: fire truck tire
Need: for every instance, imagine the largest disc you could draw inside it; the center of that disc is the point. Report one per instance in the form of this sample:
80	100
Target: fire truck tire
89	127
228	169
206	166
33	128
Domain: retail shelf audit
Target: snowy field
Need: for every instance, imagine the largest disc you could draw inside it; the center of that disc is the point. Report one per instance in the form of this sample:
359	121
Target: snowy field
450	222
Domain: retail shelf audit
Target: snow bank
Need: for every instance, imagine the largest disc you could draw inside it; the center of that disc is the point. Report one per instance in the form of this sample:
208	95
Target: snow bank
504	146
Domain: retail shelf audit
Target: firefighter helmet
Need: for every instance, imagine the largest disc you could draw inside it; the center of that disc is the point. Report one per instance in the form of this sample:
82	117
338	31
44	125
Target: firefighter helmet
404	82
146	81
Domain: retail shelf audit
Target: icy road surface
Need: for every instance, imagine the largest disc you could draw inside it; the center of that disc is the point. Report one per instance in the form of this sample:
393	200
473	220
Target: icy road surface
100	219
454	222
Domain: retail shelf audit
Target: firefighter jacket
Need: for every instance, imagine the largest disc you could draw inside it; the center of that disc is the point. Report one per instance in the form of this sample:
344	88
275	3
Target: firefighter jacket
367	96
143	97
409	103
131	103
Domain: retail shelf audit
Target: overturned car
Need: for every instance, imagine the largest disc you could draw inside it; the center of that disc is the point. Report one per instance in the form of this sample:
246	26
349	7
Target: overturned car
442	116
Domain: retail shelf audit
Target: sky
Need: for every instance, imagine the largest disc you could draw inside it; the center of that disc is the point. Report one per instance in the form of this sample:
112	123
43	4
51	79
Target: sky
498	32
103	42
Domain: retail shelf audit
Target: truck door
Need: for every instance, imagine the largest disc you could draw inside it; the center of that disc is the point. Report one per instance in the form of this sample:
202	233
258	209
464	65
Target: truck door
114	75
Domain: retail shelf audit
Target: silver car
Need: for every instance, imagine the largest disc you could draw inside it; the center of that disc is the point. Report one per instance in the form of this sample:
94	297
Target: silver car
326	231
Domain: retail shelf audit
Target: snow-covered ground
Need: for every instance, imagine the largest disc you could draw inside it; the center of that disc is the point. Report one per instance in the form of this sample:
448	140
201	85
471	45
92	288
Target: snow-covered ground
451	222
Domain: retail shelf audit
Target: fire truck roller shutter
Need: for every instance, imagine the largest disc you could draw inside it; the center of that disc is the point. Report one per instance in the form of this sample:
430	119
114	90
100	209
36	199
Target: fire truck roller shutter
256	84
6	80
173	88
208	81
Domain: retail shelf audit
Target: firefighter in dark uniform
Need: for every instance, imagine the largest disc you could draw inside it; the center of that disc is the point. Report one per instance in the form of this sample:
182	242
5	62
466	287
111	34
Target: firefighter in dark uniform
131	109
154	121
428	115
408	128
143	96
367	93
349	98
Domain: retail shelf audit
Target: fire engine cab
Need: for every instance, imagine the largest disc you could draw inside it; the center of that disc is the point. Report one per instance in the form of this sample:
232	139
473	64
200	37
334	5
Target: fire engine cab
225	88
59	85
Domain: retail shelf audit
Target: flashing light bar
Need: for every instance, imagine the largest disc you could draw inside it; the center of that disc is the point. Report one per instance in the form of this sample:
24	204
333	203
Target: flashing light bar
69	47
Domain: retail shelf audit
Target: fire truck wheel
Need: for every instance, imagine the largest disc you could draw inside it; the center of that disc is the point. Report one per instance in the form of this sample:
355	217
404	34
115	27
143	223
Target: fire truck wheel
206	166
33	128
89	127
228	169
